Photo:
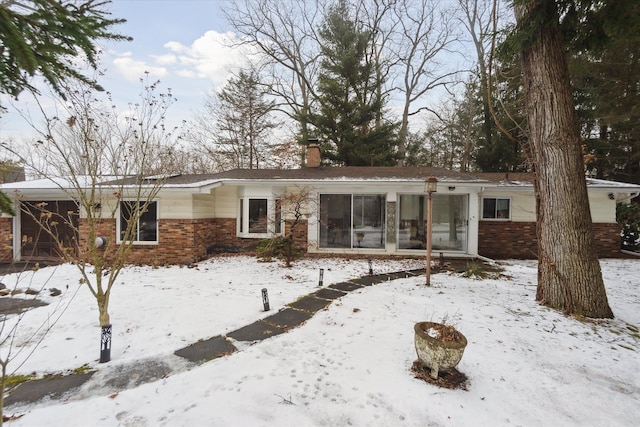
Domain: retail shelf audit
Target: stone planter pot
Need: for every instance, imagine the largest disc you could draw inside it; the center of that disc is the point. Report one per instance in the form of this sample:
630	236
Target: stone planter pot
436	354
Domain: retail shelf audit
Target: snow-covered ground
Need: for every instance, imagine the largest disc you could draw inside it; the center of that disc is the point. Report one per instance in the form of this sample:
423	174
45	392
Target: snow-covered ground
348	365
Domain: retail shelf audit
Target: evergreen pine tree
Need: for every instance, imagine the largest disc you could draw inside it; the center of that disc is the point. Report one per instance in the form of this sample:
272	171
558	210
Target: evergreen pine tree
348	96
244	120
42	36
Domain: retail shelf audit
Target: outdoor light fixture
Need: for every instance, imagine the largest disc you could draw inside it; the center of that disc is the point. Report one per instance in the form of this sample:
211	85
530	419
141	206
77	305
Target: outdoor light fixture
321	278
265	299
100	241
431	187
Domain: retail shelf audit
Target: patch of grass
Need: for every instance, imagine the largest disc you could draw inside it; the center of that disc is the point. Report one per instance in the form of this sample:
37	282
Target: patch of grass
82	369
480	270
78	371
14	380
474	270
53	376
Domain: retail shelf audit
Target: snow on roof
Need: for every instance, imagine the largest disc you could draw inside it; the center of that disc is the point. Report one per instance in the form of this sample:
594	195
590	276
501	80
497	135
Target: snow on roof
47	183
320	175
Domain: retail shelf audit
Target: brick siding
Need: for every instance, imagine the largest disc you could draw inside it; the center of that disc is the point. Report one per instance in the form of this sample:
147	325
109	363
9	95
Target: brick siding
226	239
518	240
185	241
188	241
180	241
300	239
609	240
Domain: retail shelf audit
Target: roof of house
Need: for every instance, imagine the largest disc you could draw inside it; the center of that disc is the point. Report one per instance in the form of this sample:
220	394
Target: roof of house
333	174
354	173
319	174
515	179
367	173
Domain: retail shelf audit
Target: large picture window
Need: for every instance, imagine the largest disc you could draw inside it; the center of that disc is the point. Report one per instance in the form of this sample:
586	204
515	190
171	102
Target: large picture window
450	222
145	229
496	208
352	221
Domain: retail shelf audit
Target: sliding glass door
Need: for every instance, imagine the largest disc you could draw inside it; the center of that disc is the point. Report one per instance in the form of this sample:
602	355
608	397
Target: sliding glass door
352	221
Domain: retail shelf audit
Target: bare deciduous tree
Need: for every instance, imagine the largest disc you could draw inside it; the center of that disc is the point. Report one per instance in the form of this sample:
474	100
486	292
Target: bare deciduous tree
476	18
425	35
292	209
285	32
295	205
102	161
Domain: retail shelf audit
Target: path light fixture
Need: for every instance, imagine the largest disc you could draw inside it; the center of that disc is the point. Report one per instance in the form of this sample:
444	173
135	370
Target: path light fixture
105	344
265	299
321	278
431	186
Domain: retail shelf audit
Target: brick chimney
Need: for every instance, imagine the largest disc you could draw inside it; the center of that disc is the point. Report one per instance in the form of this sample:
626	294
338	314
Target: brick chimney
313	153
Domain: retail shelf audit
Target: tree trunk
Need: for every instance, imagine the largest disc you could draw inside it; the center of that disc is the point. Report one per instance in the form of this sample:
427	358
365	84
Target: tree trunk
103	309
569	275
404	132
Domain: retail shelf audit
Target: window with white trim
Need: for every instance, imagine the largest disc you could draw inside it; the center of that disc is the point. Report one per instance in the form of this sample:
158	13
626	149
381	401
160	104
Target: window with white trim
259	217
496	208
145	230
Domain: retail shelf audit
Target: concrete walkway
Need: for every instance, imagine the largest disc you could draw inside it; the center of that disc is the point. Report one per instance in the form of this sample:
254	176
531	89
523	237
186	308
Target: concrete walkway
114	378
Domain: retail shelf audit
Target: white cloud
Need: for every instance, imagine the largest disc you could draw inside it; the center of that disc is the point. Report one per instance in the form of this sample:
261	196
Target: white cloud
167	59
176	47
211	56
189	74
133	70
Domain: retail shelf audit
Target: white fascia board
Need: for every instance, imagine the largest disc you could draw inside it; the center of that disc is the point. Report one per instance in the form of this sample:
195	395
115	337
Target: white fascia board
196	187
612	186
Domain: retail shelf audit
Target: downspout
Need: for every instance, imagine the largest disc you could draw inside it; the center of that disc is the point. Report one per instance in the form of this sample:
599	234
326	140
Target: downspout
628	198
17	236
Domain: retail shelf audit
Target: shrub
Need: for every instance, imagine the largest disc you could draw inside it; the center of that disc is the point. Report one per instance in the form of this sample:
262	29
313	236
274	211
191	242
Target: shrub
629	216
278	247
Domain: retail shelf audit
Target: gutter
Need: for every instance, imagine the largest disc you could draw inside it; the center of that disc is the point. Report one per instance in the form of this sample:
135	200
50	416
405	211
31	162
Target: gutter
636	254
